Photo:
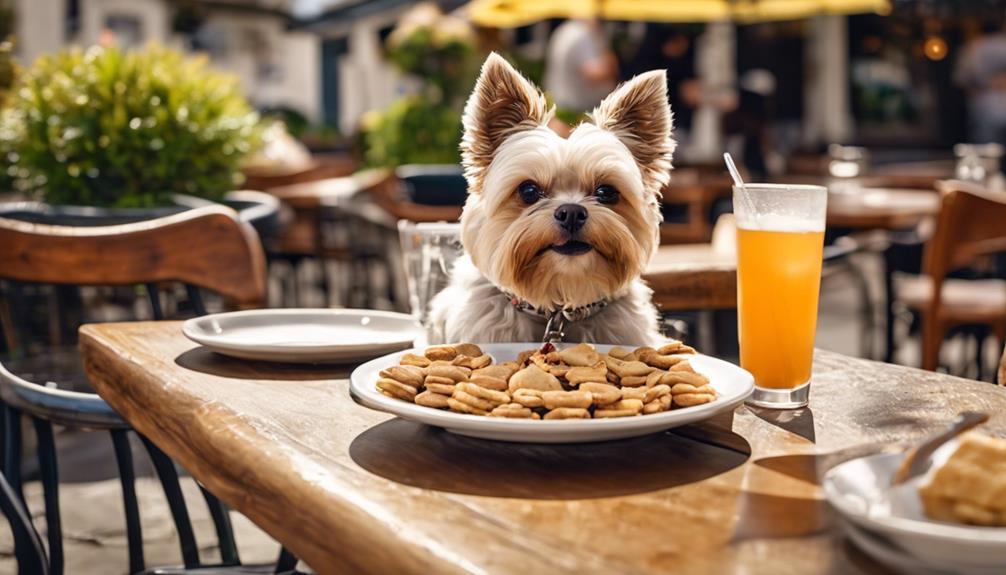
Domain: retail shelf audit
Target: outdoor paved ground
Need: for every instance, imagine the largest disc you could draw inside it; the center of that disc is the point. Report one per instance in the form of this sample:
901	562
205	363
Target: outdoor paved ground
91	498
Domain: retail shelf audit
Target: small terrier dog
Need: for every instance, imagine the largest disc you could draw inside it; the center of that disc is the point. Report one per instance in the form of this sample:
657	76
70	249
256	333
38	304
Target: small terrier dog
557	231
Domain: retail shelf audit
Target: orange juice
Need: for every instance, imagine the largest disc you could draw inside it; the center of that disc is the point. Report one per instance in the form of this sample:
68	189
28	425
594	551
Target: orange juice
778	280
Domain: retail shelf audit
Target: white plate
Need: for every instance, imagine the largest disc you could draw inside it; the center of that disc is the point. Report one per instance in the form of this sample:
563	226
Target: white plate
860	490
304	335
732	383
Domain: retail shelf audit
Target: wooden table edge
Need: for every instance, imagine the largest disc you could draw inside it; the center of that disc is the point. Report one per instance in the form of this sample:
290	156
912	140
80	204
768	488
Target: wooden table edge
96	352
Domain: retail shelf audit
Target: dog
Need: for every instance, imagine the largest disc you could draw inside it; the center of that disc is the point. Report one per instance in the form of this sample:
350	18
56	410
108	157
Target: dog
556	232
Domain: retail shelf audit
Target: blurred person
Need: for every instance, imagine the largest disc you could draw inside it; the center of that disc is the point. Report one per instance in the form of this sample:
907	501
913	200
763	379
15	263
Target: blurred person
665	47
580	68
750	120
981	72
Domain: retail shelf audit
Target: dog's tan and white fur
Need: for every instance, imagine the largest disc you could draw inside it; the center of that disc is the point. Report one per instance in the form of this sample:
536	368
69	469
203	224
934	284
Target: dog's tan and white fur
515	247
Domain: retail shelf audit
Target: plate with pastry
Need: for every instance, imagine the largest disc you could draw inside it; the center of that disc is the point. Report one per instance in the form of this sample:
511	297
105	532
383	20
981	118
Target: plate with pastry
534	393
951	517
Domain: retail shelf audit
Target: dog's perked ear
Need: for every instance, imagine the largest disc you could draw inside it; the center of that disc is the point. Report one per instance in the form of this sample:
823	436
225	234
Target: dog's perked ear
638	113
502	103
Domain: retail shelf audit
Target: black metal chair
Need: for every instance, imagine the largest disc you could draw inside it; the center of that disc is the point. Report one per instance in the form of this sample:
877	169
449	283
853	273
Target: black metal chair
206	247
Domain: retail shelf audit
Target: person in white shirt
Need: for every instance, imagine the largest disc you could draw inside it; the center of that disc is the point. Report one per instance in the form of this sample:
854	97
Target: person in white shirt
580	68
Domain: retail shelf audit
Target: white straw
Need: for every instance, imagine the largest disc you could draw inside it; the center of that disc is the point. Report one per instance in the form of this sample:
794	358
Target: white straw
742	193
733	170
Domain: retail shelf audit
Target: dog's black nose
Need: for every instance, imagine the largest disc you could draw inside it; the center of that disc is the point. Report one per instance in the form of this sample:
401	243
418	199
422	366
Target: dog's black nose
571	217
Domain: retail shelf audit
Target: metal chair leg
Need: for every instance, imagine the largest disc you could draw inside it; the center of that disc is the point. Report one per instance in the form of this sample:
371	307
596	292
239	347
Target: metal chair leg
287	562
27	544
127	475
225	532
50	488
12	449
168	475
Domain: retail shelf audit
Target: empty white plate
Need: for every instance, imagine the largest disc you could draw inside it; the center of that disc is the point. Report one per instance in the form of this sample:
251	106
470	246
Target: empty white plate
732	383
860	490
304	335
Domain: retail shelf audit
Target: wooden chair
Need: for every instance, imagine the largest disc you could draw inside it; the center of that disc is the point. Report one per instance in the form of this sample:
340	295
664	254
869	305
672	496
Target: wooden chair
970	225
204	248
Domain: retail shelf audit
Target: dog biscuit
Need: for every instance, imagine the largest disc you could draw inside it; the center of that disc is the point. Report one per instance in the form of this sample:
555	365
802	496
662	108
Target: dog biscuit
654	378
441	388
413	359
469	349
596	373
395	389
453	372
489	382
533	377
437	379
580	355
675	346
462	407
568	413
658	405
500	370
410	375
601	393
653	358
513	411
634	393
692	399
623	408
471	362
494	397
619	353
472	401
655	392
528	397
675	377
627	368
683	388
441	352
556	399
430	399
633	380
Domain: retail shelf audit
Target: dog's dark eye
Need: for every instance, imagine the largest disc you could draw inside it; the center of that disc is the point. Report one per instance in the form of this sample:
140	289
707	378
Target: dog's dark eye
606	194
529	192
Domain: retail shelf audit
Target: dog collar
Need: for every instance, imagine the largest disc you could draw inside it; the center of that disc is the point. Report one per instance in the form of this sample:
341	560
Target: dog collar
569	313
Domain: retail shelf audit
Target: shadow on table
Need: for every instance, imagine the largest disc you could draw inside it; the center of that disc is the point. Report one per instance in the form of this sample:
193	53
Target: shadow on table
205	361
431	458
798	421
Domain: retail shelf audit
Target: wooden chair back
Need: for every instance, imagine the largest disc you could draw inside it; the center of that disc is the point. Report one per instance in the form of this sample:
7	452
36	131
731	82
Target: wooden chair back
971	224
206	247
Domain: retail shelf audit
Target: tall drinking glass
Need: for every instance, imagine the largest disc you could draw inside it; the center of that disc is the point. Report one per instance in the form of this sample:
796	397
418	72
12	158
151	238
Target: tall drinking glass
780	239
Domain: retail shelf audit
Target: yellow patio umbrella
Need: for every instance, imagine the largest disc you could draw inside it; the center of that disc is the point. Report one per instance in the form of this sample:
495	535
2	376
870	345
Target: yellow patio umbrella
512	13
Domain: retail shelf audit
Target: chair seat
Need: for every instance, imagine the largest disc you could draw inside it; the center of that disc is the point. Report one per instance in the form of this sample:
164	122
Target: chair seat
964	301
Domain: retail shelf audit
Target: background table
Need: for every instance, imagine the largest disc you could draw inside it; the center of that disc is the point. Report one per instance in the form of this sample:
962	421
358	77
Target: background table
692	277
353	490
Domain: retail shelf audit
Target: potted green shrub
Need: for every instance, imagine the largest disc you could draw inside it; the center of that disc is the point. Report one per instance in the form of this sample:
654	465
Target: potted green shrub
129	134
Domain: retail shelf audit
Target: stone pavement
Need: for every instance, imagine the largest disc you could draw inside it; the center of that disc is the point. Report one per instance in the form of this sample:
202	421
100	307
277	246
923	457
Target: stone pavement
94	529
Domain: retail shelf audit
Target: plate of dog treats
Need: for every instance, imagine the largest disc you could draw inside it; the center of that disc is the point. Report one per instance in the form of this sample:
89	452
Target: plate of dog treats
564	393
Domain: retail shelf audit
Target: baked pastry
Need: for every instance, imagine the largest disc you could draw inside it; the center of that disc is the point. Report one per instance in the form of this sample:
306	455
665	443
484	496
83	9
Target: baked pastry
971	486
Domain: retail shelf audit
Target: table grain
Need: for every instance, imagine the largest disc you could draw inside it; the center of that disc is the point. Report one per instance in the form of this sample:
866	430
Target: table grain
351	490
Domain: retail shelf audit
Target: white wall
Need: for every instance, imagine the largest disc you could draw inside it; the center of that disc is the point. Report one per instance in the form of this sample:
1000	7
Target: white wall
366	81
294	56
249	42
39	28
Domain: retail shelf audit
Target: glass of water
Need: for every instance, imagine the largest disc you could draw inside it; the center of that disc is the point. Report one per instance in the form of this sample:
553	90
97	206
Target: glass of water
429	251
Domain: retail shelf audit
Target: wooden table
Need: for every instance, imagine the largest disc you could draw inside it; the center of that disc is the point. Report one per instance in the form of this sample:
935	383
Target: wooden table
351	490
882	208
693	277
